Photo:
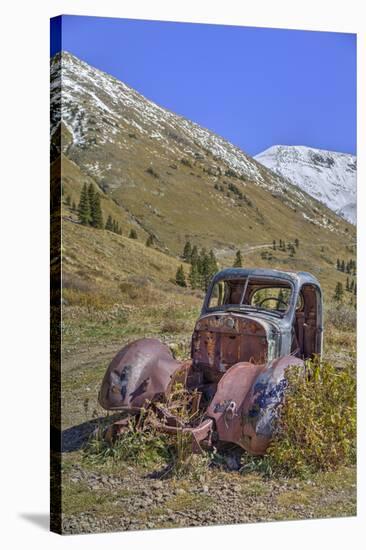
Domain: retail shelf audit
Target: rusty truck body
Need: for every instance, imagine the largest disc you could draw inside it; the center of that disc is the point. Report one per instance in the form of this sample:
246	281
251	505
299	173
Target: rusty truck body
254	325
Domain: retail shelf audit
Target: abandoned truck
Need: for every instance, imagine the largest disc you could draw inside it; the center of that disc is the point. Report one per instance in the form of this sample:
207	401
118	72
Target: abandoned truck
254	324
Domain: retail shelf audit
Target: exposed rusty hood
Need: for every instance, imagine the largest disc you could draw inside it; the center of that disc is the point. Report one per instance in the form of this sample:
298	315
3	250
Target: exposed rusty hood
222	339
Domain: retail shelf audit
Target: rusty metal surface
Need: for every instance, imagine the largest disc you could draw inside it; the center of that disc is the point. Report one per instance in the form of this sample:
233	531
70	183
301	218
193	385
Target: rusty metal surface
222	340
141	372
200	433
246	403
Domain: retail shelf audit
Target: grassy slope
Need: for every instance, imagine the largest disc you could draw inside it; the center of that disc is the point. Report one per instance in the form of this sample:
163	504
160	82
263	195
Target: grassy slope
73	180
198	211
107	259
181	205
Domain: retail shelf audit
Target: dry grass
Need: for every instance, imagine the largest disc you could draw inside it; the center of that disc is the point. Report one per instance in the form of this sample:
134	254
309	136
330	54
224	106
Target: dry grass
341	316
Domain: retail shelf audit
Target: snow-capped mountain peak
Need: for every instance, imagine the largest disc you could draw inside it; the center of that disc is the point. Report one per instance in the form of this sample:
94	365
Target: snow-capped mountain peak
328	176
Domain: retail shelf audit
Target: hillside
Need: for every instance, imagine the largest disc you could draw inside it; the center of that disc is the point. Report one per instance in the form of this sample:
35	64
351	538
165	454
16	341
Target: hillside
166	176
327	176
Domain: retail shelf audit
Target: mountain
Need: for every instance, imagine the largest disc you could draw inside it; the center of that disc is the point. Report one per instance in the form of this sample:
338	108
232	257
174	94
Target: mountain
327	176
168	177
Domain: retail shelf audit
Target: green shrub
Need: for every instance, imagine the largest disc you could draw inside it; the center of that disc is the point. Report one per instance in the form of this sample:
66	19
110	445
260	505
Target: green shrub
139	446
317	422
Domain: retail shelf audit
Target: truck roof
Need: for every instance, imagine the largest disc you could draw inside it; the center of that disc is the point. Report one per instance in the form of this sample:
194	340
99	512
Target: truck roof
296	277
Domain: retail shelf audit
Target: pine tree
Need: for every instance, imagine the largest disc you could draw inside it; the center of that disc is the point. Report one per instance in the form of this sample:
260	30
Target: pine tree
297	242
109	224
194	255
338	264
274	245
206	273
194	276
91	196
201	268
187	251
213	263
133	234
180	278
96	211
84	207
291	249
238	260
150	240
342	266
338	292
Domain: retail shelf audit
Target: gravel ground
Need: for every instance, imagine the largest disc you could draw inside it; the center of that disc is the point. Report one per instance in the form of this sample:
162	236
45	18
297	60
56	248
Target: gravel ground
98	502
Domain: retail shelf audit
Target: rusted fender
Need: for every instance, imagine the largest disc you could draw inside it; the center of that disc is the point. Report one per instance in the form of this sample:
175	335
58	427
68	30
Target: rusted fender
246	403
140	372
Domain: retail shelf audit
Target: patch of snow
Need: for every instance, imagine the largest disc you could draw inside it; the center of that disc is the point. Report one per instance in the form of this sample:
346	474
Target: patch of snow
328	176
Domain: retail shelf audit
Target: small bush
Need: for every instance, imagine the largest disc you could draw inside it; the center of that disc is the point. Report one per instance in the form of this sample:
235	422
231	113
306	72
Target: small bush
74	282
140	291
342	316
139	446
173	326
89	299
174	321
317	422
186	162
152	172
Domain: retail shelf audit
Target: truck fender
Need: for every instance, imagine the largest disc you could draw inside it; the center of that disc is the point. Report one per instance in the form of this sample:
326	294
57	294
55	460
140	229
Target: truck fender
245	406
141	372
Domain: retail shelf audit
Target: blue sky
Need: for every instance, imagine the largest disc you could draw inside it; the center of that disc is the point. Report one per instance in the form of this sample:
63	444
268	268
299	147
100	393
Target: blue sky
255	87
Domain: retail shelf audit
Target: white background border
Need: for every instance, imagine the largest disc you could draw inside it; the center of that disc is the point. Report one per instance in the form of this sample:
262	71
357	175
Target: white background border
24	257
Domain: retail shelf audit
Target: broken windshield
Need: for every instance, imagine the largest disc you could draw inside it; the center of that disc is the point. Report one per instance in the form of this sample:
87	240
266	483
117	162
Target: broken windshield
264	294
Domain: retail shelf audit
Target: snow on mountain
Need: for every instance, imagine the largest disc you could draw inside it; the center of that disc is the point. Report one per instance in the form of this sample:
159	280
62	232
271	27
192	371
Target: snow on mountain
327	176
109	130
93	91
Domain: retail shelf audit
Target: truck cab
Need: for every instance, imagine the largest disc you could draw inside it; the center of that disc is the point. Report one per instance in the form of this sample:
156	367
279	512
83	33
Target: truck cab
256	316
